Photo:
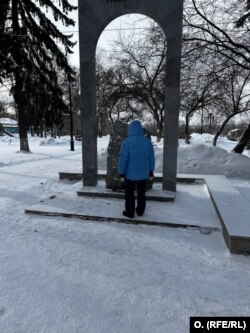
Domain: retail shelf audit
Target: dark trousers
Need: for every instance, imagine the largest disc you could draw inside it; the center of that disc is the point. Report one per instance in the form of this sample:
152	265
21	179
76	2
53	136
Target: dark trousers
130	196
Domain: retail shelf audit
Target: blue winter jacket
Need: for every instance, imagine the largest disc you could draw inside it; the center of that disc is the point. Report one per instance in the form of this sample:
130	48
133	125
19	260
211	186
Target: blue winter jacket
136	156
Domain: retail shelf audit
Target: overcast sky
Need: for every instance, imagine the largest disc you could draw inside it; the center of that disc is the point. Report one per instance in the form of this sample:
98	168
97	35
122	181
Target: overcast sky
109	34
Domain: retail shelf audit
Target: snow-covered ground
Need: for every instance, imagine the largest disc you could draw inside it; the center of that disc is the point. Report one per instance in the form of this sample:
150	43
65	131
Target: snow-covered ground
69	276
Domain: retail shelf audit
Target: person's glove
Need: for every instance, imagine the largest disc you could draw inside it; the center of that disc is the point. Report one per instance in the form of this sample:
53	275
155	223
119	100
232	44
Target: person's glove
122	178
151	175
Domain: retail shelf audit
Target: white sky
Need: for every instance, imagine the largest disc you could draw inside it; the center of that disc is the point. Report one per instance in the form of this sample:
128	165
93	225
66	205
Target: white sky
110	33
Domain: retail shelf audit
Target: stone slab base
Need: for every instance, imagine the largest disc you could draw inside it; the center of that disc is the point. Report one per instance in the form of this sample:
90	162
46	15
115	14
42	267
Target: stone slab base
233	211
231	207
77	176
182	213
134	221
100	191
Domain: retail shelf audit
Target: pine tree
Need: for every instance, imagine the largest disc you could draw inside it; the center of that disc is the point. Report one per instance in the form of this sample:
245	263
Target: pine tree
5	40
3	13
37	57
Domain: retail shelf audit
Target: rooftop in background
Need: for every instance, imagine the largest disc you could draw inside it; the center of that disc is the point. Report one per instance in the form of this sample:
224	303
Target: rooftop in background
8	121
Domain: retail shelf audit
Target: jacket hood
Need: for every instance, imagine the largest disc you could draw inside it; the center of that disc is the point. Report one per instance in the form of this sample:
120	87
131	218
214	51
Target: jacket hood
135	128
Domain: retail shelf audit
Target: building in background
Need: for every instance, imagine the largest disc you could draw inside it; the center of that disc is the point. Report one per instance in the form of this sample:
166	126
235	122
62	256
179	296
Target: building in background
9	125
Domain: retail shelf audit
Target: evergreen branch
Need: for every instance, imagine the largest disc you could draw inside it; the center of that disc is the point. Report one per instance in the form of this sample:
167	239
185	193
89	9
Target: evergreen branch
43	41
46	25
57	14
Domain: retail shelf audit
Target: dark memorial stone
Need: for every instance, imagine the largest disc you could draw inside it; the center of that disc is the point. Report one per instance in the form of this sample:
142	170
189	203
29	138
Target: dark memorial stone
117	135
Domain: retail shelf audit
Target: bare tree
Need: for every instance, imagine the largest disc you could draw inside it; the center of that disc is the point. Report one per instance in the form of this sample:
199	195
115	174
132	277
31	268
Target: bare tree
141	64
114	98
244	140
197	84
233	96
213	26
244	17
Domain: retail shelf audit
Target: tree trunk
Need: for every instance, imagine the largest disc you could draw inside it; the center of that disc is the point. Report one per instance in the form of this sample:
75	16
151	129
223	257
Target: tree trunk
219	131
18	96
216	137
159	131
187	130
23	126
245	138
41	129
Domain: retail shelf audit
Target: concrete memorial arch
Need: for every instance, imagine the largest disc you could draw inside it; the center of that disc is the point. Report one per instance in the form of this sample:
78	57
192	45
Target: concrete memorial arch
94	16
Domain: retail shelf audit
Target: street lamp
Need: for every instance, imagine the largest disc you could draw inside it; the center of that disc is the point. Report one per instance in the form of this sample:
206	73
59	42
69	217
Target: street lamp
72	147
70	86
202	119
210	119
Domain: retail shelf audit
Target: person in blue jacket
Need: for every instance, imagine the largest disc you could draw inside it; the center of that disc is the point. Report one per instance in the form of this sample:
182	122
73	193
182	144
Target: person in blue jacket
136	165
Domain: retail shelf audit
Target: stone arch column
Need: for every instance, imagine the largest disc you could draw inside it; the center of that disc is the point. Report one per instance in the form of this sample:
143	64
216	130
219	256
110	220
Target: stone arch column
94	16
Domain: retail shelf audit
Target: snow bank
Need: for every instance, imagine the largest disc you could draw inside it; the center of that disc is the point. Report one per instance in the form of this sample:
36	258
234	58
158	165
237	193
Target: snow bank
207	139
9	140
53	142
49	141
200	159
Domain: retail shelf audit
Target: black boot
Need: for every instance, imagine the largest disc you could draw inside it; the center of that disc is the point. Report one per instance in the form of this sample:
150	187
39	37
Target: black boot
138	212
125	213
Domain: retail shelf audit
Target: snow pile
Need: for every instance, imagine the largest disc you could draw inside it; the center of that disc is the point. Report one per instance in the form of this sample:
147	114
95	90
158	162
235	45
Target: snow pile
52	141
205	138
9	140
36	140
102	159
158	159
200	159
